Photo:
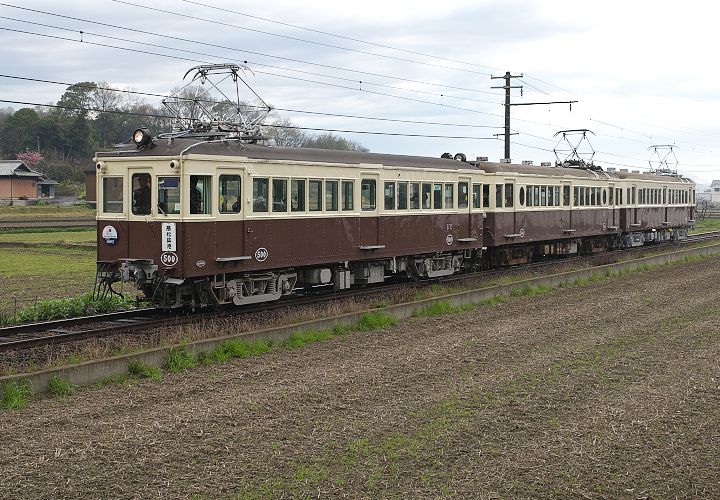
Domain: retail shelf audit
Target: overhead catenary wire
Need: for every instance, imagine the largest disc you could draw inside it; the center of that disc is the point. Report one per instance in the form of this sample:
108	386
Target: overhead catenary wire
224	47
168	117
287	110
368	83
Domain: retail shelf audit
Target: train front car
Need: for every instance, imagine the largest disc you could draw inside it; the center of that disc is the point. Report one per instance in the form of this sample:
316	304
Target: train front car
201	221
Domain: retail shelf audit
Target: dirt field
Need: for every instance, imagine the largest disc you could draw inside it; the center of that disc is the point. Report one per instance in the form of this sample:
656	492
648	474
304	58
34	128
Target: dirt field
610	390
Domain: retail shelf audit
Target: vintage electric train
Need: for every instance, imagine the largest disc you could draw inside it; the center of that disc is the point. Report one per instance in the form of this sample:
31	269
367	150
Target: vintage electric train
198	221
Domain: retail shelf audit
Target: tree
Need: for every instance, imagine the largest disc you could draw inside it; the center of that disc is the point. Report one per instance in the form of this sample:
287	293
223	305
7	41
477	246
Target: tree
78	98
30	158
330	141
21	130
284	132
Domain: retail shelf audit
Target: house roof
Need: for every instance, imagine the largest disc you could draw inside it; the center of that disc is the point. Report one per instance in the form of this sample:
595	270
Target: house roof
16	168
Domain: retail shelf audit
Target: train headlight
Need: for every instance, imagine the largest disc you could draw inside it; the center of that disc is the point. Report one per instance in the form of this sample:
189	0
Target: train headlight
142	136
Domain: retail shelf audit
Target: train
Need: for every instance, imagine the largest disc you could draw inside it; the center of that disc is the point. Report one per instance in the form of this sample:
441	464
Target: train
202	219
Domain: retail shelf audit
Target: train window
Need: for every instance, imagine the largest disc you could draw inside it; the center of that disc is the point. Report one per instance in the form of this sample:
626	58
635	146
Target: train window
449	195
498	195
331	196
581	197
414	195
566	196
664	195
593	197
576	196
536	196
437	196
229	194
620	199
521	196
463	194
551	197
260	195
297	195
368	194
557	196
348	188
486	196
112	195
279	195
633	191
389	195
509	195
141	194
200	194
476	189
604	196
426	195
169	195
402	195
543	196
315	196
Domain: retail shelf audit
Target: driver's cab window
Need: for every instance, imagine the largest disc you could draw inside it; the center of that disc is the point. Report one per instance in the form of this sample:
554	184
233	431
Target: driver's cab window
168	195
200	194
141	198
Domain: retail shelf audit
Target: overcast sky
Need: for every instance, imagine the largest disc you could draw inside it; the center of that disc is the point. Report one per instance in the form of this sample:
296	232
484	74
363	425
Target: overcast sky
643	73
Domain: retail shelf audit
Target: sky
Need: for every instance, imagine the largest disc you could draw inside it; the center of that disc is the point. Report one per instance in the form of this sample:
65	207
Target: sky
408	77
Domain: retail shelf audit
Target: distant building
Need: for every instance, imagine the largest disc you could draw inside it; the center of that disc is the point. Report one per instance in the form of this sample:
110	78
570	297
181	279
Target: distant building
715	192
90	188
19	182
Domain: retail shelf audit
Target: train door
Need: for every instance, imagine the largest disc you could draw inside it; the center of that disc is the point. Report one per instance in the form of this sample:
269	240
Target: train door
369	224
509	203
468	228
567	203
230	229
613	222
142	197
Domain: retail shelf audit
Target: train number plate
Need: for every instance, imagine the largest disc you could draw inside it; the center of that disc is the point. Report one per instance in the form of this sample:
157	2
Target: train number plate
168	259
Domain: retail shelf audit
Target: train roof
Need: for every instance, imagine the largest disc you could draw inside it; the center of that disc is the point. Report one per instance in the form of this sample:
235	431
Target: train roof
163	148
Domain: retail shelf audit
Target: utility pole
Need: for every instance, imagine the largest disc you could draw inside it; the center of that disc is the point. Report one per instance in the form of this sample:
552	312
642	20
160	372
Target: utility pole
507	77
507	88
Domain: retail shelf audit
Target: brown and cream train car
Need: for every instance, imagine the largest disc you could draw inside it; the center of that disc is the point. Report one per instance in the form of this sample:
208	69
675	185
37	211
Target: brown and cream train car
199	222
534	212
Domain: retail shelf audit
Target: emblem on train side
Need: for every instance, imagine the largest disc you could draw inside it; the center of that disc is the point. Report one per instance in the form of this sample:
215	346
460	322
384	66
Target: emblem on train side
200	263
110	235
449	239
261	254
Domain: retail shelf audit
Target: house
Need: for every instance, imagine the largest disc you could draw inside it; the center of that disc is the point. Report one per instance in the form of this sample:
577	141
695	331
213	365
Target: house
715	192
19	182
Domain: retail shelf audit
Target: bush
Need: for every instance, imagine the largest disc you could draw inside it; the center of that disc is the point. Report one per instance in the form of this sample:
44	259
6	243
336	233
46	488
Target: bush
14	395
81	305
60	386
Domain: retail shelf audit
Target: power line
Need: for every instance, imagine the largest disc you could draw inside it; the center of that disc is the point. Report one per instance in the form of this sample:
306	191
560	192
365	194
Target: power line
288	110
337	36
152	115
229	25
99	23
202	61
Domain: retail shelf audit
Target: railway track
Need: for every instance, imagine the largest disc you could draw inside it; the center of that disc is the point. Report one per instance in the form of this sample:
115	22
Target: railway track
54	332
